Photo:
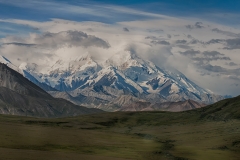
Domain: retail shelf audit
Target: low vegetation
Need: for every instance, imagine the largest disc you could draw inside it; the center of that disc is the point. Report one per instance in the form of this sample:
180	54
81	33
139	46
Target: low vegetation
209	133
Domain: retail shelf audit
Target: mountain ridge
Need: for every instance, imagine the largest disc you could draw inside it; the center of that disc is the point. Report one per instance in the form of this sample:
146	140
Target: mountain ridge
124	73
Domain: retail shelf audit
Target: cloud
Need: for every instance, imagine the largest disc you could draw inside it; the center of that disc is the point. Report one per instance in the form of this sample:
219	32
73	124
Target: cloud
231	34
200	58
195	41
61	39
234	77
181	42
126	10
189	26
190	37
19	44
223	71
155	30
58	7
44	49
151	37
231	64
215	68
160	42
232	44
190	53
157	41
69	39
212	53
197	58
197	25
183	46
214	41
93	9
125	29
208	73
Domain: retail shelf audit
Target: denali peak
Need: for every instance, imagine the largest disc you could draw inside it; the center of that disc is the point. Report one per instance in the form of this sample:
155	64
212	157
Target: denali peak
125	73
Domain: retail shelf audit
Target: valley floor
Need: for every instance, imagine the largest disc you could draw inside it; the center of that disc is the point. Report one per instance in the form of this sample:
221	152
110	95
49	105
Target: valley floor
117	136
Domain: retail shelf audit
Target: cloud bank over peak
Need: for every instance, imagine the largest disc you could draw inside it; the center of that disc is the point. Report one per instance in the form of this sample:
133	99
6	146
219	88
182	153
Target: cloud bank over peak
204	51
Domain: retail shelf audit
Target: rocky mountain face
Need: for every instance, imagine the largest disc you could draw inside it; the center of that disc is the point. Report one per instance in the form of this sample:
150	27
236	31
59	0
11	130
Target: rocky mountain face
19	96
86	82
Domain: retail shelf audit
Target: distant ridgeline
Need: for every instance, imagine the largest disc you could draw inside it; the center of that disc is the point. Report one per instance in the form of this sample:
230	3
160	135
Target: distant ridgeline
123	80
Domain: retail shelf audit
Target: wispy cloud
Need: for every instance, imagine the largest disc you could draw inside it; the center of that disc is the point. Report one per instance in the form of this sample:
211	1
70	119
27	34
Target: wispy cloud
126	10
228	33
56	7
93	9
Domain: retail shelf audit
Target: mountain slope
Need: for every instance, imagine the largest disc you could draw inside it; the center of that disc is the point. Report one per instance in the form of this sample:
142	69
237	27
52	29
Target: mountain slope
178	106
166	106
16	82
222	110
64	75
19	96
124	73
171	84
86	101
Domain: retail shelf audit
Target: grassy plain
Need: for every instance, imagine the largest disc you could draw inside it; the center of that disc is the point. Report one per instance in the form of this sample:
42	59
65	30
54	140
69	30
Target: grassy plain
139	135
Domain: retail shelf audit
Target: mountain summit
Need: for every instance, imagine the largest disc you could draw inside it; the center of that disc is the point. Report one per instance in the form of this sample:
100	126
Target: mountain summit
124	73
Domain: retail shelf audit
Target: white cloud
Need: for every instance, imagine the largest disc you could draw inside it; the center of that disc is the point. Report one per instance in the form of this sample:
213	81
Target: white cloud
135	40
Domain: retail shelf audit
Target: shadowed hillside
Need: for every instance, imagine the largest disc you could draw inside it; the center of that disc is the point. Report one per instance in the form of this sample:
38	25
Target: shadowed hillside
223	110
19	96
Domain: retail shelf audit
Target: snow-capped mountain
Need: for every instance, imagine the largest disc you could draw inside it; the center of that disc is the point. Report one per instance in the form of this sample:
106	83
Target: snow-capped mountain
153	79
124	74
64	75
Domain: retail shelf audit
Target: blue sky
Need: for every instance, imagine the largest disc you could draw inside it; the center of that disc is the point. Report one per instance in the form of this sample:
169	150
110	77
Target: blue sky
221	11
